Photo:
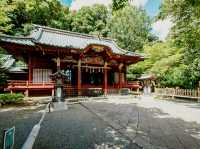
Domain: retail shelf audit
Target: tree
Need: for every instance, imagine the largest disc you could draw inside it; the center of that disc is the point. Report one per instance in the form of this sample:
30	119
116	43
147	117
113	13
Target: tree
186	31
5	21
164	60
130	27
91	20
20	13
3	68
118	4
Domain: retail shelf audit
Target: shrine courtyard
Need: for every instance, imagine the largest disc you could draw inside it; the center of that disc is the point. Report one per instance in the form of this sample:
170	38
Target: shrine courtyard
119	121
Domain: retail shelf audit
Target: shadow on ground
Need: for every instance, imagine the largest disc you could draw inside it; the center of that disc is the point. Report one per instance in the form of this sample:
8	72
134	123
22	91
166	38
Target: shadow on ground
150	127
78	128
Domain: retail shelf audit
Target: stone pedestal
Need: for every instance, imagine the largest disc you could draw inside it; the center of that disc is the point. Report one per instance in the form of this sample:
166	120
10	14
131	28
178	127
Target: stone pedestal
59	106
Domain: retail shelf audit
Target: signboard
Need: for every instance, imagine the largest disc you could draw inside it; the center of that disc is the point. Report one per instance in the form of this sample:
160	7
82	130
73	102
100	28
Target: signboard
98	48
93	60
9	136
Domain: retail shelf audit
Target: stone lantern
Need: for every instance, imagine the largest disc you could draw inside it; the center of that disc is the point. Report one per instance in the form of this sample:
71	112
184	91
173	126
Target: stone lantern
59	78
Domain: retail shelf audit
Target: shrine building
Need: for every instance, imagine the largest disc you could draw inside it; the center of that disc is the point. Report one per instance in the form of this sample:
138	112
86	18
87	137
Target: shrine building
89	62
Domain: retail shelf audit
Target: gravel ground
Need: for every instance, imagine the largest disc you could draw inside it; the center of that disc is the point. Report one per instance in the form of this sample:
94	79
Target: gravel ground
77	128
23	118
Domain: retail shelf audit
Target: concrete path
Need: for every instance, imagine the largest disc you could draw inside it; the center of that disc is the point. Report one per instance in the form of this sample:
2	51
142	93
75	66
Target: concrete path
78	128
23	118
153	123
115	123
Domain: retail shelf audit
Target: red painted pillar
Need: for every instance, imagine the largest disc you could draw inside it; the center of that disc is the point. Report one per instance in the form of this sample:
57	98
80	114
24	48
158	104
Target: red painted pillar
120	75
105	79
30	69
79	77
125	77
120	79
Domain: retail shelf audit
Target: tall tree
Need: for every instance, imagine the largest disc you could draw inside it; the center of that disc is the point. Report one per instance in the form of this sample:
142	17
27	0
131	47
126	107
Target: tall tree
118	4
5	21
186	31
17	13
130	26
91	20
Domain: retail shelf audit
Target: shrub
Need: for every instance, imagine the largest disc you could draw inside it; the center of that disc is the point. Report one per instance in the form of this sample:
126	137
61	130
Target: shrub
11	98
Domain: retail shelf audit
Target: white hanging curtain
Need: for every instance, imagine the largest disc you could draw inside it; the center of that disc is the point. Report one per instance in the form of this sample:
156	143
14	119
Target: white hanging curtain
41	75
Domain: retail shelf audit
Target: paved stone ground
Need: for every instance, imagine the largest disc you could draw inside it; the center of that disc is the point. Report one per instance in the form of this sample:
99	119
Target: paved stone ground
78	128
152	123
23	118
117	122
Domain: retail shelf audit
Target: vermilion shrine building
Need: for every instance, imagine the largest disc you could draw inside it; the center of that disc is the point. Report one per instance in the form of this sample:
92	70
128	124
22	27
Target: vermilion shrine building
90	62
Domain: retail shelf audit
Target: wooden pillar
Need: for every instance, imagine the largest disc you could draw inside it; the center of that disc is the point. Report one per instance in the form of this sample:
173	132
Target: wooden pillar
30	69
58	63
125	77
120	75
26	93
198	94
52	92
105	79
27	89
120	79
79	77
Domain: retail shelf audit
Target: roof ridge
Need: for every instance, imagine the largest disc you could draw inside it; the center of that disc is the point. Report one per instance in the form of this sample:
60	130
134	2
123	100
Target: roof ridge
71	32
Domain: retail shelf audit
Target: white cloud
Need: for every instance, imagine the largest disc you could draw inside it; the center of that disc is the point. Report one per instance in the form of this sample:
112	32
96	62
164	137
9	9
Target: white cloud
138	3
77	4
162	28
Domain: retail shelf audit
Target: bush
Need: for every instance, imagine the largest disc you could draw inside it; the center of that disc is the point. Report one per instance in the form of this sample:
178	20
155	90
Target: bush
11	98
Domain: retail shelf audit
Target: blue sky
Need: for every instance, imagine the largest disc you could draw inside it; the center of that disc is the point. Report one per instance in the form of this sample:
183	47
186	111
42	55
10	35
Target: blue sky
152	6
66	2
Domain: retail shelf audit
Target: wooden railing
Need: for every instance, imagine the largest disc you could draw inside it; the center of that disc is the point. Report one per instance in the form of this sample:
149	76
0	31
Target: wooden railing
28	84
70	90
184	93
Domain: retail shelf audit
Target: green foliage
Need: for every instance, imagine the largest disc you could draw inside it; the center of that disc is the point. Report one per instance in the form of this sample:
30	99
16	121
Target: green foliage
16	14
91	20
11	98
3	76
178	77
118	4
185	34
130	27
165	61
5	21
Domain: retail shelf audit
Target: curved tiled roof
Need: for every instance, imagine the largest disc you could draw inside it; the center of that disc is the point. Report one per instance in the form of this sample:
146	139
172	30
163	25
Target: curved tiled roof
64	39
17	40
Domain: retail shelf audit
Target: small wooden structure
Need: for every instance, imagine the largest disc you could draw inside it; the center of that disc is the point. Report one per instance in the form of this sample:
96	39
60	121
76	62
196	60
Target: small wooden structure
148	83
88	61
